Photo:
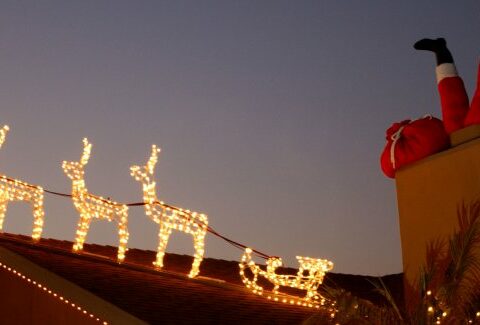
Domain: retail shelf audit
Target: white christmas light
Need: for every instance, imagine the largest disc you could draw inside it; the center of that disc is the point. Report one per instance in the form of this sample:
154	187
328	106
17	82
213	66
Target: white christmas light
170	218
309	277
50	292
91	206
15	190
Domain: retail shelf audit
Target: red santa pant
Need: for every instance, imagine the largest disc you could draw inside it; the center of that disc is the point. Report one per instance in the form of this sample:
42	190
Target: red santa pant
456	111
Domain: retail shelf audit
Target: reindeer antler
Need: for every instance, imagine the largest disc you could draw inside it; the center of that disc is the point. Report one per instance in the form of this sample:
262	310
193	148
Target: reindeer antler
153	159
3	134
87	148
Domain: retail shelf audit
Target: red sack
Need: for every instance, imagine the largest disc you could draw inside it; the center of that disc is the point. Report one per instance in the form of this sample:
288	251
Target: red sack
409	141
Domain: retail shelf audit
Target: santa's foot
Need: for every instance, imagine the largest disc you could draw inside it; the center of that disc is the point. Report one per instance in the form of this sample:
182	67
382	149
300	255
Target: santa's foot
434	45
437	46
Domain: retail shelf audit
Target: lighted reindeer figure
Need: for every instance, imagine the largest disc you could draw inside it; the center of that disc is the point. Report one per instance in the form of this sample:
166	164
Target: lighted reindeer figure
170	218
15	190
91	206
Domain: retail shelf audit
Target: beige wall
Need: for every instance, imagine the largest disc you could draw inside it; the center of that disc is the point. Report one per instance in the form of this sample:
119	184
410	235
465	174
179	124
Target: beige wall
429	193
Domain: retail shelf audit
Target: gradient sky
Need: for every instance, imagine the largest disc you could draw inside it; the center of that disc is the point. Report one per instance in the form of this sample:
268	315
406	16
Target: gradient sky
271	115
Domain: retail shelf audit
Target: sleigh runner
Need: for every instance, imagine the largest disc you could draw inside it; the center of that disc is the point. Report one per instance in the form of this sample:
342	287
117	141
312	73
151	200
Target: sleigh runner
309	277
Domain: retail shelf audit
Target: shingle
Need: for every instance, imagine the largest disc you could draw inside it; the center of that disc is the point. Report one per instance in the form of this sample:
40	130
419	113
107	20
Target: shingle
170	296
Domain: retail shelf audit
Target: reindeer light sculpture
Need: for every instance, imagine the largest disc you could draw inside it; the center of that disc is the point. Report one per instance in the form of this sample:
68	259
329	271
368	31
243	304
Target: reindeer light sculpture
15	190
170	218
91	206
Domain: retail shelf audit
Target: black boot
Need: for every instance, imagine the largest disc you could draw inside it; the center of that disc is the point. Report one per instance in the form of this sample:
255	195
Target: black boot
437	46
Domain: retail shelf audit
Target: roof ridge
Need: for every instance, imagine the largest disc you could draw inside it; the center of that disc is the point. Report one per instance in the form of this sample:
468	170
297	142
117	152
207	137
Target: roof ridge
126	264
65	290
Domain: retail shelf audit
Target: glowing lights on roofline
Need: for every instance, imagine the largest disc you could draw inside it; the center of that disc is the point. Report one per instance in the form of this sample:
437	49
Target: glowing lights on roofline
51	292
90	206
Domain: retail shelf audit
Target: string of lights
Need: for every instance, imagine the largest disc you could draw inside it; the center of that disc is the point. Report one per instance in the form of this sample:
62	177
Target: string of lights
54	294
186	214
169	218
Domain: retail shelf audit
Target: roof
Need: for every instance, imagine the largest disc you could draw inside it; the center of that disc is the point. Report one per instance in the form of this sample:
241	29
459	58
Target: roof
169	296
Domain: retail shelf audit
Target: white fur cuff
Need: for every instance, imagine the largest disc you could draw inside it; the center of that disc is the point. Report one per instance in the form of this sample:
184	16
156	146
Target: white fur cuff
445	70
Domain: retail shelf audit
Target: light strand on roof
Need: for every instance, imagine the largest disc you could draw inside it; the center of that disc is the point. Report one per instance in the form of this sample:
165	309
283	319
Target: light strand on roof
169	218
100	204
185	214
52	293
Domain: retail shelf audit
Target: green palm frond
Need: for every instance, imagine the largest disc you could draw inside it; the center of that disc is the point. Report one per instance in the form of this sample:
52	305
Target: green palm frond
448	287
451	273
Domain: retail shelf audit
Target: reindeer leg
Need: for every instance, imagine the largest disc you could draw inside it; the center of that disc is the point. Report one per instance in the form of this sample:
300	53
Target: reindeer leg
163	236
38	215
3	208
123	233
198	241
82	231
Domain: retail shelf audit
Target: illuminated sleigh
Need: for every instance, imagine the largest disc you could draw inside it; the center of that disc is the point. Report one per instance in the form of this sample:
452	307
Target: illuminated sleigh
309	277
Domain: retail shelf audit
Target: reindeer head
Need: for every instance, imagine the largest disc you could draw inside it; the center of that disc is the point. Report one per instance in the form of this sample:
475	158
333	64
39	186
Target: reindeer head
74	169
145	174
3	134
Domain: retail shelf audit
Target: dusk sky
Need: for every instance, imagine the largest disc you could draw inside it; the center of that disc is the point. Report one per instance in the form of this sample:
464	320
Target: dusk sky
271	115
